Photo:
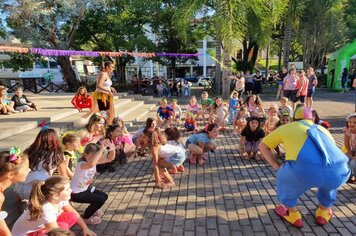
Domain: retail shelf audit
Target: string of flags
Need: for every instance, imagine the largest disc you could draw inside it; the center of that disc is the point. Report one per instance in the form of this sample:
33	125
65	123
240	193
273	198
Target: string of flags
57	53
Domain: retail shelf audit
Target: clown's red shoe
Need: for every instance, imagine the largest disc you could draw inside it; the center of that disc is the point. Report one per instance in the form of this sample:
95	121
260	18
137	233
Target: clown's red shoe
293	217
322	217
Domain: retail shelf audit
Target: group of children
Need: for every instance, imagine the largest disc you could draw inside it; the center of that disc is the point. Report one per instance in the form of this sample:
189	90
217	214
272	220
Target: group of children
18	103
55	171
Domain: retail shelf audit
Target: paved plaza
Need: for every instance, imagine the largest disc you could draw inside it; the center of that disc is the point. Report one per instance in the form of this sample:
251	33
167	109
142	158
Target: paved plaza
227	196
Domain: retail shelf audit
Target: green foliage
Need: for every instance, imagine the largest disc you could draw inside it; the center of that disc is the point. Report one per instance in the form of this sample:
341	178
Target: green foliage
350	19
21	62
167	35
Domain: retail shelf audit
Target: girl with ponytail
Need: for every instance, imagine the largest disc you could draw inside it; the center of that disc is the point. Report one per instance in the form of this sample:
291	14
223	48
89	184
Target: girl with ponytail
48	209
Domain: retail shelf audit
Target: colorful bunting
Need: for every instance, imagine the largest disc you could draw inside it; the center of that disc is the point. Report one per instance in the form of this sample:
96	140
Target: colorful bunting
56	53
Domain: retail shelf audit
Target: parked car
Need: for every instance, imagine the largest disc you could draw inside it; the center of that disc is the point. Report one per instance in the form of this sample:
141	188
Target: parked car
192	79
204	81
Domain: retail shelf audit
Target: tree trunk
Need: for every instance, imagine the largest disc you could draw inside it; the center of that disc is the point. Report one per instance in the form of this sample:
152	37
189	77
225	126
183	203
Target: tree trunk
217	64
287	42
120	72
226	75
68	73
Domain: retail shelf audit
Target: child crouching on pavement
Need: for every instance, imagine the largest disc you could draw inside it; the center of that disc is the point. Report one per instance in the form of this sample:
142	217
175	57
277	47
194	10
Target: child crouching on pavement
172	154
201	143
251	137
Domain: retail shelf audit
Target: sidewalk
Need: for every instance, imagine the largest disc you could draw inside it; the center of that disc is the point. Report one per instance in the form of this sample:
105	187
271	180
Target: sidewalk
227	196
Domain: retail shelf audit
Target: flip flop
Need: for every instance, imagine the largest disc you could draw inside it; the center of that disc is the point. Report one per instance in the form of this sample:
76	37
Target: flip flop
322	217
295	218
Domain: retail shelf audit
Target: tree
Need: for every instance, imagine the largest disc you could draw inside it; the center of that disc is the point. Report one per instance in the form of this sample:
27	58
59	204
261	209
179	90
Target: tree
350	19
321	30
251	22
291	17
118	26
167	36
48	24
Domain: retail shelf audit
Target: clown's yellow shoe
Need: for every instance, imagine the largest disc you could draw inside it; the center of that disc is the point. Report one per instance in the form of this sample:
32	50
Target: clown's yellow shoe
322	217
293	217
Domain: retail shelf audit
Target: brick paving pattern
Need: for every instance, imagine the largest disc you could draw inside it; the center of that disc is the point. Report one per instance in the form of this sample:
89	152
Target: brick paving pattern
227	196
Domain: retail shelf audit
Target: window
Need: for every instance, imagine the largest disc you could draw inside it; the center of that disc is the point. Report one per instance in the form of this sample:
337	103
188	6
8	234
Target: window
211	44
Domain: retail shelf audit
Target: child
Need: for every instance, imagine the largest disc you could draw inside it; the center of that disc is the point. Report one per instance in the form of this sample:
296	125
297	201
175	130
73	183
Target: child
177	111
21	103
272	120
254	105
13	169
201	143
94	130
240	120
49	208
190	124
6	106
82	99
172	154
251	137
284	107
71	142
45	155
206	105
317	120
164	114
192	107
84	174
284	118
139	138
220	113
233	106
125	138
350	144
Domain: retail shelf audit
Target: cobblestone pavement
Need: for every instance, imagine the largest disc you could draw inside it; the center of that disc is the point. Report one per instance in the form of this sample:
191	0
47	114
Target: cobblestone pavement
227	196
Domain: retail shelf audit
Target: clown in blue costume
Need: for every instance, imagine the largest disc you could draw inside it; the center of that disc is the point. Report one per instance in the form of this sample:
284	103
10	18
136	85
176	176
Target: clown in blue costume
312	160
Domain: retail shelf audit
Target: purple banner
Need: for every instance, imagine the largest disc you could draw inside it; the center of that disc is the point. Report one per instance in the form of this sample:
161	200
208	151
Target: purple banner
58	53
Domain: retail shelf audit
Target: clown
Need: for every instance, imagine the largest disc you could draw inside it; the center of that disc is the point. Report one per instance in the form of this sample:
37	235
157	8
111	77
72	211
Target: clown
312	160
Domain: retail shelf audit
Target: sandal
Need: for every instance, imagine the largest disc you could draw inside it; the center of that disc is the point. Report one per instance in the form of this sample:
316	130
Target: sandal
293	217
93	220
323	216
98	213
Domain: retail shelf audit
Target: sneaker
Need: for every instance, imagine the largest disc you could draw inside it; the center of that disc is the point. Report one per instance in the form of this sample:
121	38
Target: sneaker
180	168
93	220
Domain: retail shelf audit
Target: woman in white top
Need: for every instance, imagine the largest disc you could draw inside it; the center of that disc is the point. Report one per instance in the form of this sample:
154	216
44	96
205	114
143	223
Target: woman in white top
240	84
48	209
45	155
103	94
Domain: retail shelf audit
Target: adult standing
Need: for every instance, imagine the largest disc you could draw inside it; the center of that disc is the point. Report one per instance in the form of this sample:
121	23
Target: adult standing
302	87
104	91
290	86
249	83
313	82
344	77
240	84
258	83
280	77
325	169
